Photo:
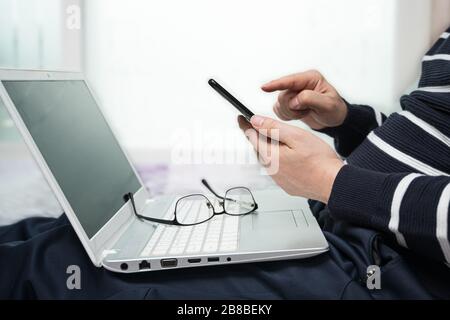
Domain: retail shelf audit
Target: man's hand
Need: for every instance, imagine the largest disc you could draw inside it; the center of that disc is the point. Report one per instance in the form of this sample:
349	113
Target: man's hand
309	97
307	166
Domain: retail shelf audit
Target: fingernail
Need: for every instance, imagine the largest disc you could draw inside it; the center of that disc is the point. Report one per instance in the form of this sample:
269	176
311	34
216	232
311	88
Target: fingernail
257	121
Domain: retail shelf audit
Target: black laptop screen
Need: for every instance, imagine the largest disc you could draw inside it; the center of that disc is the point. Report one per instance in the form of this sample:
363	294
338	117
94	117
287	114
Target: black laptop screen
78	146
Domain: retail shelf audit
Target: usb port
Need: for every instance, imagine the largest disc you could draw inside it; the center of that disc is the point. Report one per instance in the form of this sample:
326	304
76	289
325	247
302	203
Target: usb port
196	260
144	265
169	263
213	259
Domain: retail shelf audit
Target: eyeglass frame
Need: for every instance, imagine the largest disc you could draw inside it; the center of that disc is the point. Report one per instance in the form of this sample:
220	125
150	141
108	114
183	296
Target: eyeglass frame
175	222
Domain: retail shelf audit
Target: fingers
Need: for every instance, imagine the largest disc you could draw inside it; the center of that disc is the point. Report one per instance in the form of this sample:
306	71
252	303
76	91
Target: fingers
244	124
261	145
286	114
266	138
275	130
258	141
308	99
280	106
286	96
280	112
282	109
298	81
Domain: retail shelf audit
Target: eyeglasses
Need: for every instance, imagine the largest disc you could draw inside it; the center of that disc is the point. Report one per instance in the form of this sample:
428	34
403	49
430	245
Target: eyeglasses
196	208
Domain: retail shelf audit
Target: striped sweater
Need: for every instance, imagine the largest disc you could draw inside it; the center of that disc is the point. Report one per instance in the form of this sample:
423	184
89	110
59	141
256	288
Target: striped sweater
397	176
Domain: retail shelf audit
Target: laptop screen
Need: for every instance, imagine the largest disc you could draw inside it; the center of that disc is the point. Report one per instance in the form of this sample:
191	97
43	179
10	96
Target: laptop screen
77	145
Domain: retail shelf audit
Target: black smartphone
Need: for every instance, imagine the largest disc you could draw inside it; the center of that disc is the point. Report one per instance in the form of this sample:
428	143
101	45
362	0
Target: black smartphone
235	102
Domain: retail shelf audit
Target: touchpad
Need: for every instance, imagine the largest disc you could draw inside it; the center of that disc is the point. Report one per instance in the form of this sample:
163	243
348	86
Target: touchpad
273	219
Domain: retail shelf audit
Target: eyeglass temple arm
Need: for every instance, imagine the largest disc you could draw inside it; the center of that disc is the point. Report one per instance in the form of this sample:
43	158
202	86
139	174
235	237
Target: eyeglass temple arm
206	184
129	196
170	222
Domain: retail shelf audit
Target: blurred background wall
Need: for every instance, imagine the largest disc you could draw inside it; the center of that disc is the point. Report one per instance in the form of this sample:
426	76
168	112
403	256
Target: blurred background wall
148	61
34	35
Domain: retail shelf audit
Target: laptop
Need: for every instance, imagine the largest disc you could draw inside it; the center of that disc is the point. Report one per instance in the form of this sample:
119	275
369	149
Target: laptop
105	199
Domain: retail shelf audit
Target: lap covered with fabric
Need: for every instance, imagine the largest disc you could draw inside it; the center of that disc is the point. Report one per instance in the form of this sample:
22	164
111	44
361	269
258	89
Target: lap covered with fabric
35	255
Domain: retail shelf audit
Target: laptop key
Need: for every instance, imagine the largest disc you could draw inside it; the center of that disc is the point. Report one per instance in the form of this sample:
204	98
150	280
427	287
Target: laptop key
218	234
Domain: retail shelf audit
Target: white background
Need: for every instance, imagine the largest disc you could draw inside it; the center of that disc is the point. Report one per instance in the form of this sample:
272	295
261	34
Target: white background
149	61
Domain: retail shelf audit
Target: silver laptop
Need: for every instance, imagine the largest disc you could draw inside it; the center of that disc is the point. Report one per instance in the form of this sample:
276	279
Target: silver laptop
120	226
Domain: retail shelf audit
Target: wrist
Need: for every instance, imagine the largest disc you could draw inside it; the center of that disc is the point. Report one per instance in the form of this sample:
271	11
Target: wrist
329	173
342	111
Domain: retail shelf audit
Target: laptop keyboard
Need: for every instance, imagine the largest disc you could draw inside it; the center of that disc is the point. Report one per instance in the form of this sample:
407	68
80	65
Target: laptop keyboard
220	234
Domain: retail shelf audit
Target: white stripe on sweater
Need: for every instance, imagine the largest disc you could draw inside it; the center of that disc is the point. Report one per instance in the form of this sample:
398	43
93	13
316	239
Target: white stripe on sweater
428	128
442	222
440	89
396	204
437	57
378	117
445	35
403	157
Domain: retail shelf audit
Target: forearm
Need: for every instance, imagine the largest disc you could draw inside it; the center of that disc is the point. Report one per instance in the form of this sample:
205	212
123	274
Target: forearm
412	207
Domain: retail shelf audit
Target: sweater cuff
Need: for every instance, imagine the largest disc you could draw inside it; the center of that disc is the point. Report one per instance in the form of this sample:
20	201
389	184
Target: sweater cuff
356	193
357	117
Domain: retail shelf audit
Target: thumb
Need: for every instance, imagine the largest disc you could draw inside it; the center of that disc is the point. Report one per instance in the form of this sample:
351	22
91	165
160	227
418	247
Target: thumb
309	99
274	129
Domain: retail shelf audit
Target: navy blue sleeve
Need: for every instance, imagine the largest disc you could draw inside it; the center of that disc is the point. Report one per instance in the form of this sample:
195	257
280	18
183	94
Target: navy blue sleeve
360	121
413	208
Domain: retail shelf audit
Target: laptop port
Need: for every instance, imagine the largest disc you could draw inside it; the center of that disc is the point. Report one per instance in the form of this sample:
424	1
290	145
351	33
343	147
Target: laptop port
213	259
144	265
196	260
169	263
124	266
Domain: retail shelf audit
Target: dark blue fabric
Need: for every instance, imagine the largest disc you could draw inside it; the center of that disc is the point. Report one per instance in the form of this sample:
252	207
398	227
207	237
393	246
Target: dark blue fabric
363	190
415	142
35	254
360	120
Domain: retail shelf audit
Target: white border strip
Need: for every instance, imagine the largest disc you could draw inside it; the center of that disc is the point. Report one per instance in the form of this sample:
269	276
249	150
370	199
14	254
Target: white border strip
378	117
442	222
425	126
402	157
441	89
437	57
445	35
400	191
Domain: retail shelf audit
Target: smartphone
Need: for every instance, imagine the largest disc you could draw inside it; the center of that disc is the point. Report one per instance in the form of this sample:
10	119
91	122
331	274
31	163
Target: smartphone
235	102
